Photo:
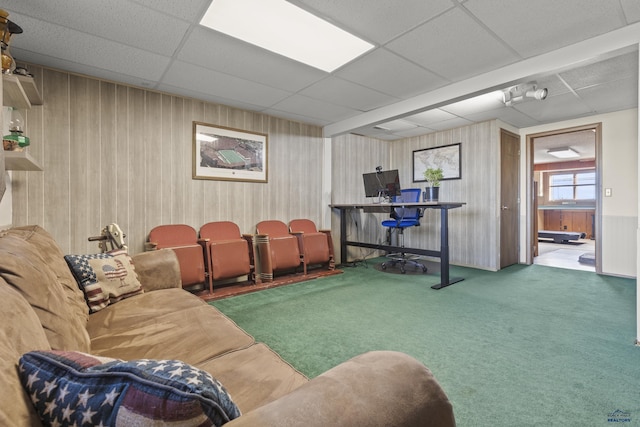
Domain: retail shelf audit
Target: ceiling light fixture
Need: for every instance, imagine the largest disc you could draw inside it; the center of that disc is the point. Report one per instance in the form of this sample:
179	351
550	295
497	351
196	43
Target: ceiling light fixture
286	29
563	153
520	92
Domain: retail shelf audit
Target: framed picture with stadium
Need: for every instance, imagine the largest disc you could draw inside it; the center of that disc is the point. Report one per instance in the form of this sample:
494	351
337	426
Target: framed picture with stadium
229	154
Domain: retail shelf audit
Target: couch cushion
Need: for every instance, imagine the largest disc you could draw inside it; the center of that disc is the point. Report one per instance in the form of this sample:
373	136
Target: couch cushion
254	375
53	257
20	332
23	267
158	269
164	324
77	388
105	278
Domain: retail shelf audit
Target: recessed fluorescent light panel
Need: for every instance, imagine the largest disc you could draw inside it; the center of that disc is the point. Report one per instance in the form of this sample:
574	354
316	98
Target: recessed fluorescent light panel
563	153
288	30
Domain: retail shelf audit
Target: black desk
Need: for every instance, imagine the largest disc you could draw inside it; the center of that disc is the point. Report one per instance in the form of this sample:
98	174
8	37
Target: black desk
443	253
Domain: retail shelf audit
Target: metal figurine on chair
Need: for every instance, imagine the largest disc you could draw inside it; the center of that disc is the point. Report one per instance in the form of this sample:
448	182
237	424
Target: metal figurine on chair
111	235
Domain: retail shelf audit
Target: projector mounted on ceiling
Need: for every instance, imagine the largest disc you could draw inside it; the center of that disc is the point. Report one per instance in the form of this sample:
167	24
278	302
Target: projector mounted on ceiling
522	91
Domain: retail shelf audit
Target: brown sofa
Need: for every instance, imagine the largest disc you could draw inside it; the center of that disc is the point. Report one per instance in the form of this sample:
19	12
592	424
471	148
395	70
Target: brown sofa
43	309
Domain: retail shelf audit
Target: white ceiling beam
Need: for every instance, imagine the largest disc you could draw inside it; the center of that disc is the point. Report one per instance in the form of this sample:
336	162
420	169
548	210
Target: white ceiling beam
563	58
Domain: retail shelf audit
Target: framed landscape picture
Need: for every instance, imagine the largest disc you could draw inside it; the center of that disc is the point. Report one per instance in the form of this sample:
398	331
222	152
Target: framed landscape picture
446	157
223	153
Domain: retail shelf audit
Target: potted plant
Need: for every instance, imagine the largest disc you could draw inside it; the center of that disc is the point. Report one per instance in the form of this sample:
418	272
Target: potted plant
433	177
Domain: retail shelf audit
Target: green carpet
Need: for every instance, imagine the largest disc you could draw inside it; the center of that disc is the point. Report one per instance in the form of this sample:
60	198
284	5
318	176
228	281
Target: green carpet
526	346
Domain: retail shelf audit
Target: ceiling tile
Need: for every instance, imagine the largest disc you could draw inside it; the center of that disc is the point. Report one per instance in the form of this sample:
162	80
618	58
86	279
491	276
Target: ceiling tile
396	125
216	51
631	10
535	27
192	77
216	99
391	74
432	116
617	68
422	46
86	50
611	96
508	115
101	73
464	54
305	106
556	108
371	19
417	131
341	92
156	32
296	117
189	10
388	136
450	124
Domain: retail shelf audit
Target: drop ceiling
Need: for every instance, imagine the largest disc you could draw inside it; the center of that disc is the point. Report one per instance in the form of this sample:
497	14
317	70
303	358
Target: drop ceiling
429	58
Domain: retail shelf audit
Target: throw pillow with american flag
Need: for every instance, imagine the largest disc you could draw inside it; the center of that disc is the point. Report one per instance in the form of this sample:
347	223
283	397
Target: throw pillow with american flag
76	389
105	278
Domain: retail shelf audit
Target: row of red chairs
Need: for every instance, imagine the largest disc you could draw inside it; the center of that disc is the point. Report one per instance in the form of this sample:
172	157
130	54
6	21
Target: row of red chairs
219	251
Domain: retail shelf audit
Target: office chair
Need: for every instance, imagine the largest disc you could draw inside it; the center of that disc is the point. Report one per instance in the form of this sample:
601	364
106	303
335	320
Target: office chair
403	218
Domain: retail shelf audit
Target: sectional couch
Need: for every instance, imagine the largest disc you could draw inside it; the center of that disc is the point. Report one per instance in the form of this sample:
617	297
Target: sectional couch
49	340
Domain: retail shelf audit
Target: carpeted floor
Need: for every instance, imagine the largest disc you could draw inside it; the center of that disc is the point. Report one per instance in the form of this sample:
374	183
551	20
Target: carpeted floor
526	346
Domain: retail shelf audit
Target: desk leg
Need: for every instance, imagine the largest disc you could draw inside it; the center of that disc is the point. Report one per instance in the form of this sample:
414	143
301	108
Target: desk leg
444	252
343	236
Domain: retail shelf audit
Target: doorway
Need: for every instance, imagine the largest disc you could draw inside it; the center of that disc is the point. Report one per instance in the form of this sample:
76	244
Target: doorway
565	205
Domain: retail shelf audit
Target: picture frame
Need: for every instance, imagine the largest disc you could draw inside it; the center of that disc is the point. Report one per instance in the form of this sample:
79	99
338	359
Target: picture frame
228	154
446	157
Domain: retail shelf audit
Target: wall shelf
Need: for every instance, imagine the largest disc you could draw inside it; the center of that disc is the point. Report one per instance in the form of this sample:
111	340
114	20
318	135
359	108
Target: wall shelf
20	91
20	161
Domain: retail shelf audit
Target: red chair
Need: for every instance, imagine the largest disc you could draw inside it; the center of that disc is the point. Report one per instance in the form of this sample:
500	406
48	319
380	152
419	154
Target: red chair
278	248
316	246
184	241
229	254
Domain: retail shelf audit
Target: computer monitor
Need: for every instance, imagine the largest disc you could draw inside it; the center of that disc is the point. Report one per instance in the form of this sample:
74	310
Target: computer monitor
382	183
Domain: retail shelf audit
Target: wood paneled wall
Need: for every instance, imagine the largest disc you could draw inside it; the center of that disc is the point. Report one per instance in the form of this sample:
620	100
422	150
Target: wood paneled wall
114	153
473	229
351	156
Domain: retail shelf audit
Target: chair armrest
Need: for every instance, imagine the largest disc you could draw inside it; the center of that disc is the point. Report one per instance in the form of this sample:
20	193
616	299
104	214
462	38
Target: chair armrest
204	243
380	388
253	277
264	251
332	260
158	269
300	236
303	252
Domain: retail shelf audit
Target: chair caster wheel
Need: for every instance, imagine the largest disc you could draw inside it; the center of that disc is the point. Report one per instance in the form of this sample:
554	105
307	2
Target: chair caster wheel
383	266
424	269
